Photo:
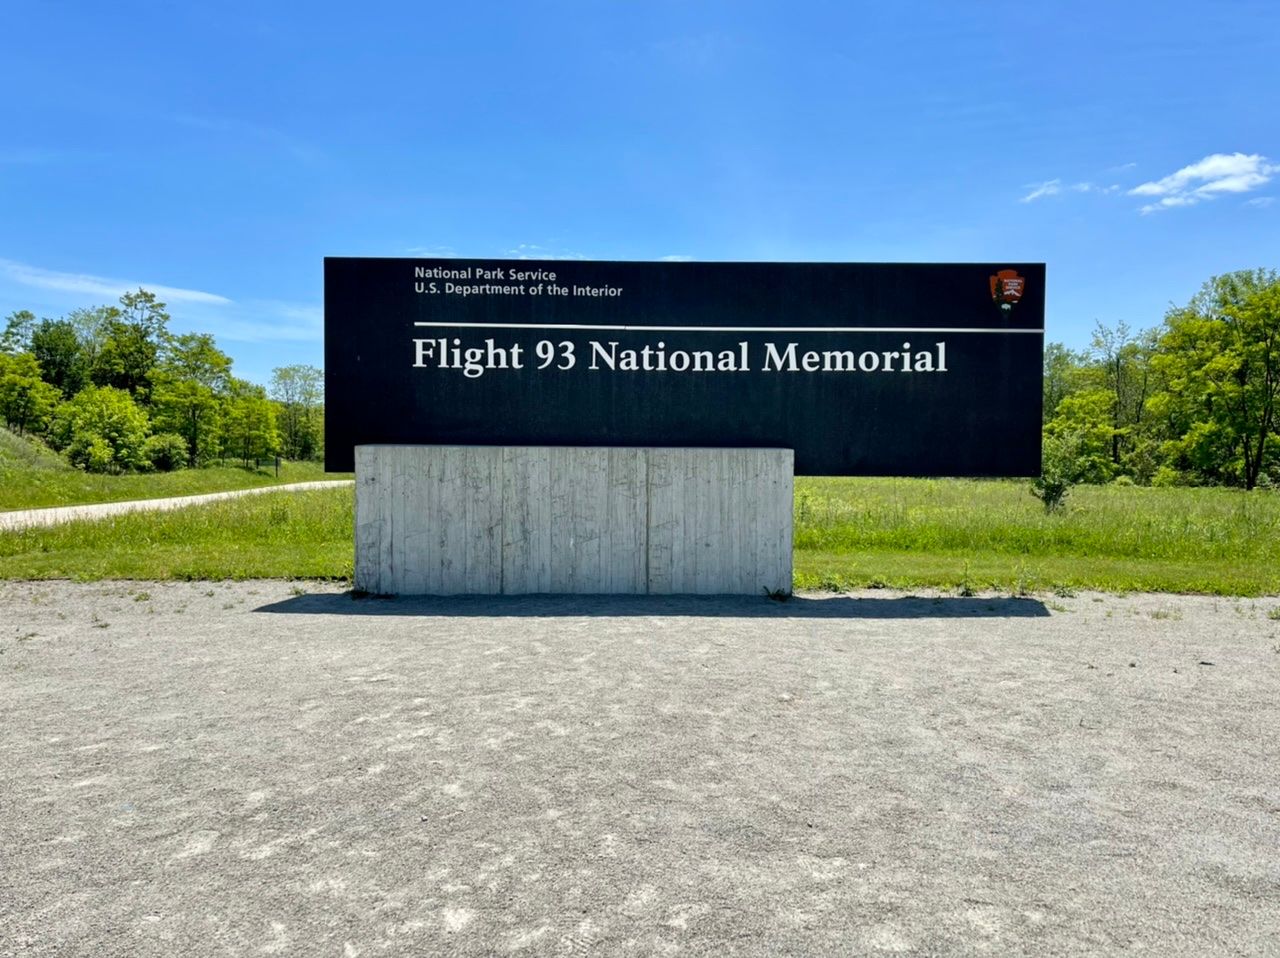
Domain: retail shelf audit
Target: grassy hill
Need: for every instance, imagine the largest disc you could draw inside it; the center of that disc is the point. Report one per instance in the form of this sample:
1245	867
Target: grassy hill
33	476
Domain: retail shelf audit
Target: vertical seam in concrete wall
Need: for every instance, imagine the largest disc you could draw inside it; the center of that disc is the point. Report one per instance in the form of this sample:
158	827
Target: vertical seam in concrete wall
389	530
501	526
648	518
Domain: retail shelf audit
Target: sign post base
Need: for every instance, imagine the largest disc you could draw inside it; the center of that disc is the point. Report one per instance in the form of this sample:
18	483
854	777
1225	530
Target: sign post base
512	520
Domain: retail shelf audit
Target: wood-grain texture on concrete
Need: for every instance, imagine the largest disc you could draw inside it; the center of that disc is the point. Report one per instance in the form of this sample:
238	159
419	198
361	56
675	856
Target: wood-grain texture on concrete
491	520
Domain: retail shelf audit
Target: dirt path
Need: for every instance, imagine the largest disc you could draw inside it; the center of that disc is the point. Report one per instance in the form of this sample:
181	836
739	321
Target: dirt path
25	518
264	767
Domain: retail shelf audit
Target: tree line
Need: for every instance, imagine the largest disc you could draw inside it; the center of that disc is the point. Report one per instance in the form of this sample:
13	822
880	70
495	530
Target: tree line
1191	402
114	390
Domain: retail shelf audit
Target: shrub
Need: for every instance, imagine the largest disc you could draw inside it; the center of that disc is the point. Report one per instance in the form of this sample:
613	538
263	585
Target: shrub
97	456
1063	462
165	452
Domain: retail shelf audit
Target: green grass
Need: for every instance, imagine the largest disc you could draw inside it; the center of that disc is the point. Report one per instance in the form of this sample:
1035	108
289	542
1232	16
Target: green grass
306	534
32	477
957	533
850	533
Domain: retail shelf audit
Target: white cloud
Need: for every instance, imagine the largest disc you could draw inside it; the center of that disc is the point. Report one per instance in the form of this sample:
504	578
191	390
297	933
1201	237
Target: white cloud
432	252
1039	190
263	322
246	321
534	251
1261	202
1055	187
675	258
100	285
1207	179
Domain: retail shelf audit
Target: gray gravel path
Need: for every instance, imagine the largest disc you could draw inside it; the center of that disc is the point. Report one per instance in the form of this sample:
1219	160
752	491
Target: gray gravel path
233	769
26	518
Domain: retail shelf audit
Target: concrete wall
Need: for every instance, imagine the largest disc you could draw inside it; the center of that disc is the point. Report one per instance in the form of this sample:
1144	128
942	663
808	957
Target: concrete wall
445	520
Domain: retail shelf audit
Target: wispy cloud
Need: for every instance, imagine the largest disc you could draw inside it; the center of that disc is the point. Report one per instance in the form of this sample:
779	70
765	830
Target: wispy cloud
1056	187
1207	179
432	252
534	251
263	321
675	258
1041	190
100	285
1261	202
248	321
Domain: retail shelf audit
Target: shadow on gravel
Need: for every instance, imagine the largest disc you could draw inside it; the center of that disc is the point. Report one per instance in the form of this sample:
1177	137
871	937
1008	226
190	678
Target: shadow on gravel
548	606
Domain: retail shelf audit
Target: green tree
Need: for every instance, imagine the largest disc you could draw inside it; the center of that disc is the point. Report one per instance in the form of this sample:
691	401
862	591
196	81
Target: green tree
143	310
103	429
1219	358
57	347
125	359
128	343
18	327
193	373
299	391
90	326
1123	361
1086	417
1065	372
249	423
26	401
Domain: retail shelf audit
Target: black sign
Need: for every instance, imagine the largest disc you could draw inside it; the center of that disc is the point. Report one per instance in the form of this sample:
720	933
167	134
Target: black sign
861	368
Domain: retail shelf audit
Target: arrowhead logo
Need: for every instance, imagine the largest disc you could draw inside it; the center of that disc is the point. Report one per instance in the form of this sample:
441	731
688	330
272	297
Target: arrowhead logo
1006	288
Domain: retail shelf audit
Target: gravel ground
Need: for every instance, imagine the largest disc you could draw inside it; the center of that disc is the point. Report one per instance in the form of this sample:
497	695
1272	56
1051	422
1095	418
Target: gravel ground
241	769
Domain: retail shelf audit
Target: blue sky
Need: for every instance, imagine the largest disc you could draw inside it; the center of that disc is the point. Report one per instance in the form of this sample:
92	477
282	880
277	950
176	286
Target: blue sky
216	152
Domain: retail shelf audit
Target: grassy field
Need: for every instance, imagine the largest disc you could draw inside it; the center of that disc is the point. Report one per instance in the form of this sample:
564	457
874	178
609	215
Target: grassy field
32	477
959	534
850	533
286	535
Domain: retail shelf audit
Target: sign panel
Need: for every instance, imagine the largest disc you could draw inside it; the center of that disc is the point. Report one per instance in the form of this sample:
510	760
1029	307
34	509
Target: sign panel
897	369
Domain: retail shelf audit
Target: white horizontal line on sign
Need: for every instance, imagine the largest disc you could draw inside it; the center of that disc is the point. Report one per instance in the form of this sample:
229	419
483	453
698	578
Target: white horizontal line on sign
733	329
